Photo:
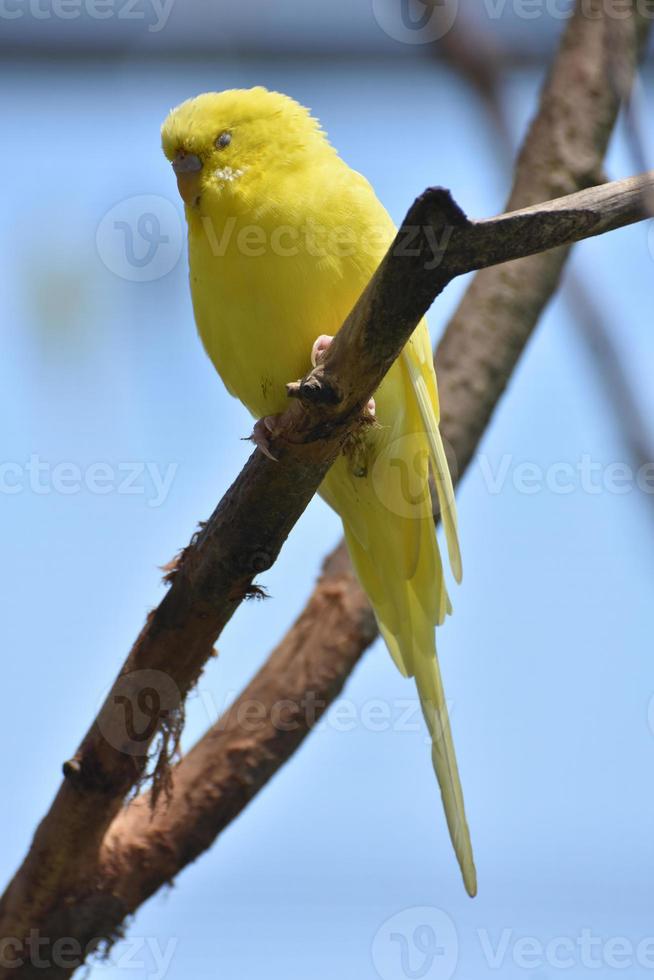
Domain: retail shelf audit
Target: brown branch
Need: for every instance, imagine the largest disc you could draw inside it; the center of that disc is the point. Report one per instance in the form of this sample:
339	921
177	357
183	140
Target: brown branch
471	52
58	890
268	721
564	150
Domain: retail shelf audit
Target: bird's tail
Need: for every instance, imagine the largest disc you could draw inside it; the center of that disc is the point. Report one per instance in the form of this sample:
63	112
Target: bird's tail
434	708
389	528
408	630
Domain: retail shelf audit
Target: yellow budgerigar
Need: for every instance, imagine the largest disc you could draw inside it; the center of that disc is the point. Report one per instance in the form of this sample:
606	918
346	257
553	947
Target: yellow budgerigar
283	237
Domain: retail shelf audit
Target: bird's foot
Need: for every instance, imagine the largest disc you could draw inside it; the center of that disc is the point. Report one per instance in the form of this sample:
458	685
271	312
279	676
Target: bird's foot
263	429
320	345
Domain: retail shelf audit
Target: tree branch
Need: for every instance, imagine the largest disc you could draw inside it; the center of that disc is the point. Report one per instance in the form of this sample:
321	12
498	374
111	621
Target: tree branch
472	53
59	889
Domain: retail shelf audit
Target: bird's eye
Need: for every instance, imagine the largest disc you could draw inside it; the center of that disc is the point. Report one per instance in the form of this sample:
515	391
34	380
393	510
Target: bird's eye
223	140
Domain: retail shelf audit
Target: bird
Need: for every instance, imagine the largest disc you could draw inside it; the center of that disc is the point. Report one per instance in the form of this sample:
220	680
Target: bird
283	237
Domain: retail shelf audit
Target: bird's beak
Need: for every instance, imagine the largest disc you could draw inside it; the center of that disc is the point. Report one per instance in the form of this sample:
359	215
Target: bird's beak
187	167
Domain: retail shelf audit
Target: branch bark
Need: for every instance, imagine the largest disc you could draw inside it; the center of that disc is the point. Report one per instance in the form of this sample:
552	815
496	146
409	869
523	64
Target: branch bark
68	885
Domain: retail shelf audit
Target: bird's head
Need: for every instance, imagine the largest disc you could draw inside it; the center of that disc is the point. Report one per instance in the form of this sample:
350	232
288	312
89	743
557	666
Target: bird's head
237	141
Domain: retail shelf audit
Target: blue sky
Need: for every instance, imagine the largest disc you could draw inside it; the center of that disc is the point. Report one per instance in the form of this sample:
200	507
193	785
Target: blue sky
547	659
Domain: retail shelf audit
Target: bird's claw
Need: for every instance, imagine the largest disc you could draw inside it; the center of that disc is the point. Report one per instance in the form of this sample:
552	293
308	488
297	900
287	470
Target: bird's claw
320	346
264	428
261	433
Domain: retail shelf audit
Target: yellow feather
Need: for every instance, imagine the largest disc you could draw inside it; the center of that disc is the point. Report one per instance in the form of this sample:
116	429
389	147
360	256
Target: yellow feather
434	707
421	375
283	237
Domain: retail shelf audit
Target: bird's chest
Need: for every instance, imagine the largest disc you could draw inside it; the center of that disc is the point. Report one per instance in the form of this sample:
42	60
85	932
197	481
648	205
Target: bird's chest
261	296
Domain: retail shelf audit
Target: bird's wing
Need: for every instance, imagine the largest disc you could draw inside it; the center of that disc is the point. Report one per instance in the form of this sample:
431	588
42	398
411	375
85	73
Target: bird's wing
417	356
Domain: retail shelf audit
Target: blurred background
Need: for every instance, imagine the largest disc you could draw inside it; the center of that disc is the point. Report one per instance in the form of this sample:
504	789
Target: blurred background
118	438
